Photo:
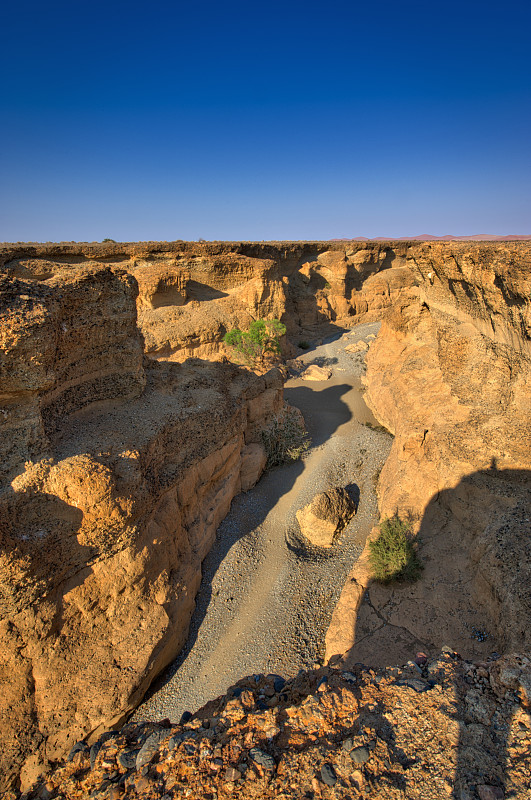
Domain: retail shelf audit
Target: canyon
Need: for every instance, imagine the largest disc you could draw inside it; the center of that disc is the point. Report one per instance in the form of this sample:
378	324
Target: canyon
126	433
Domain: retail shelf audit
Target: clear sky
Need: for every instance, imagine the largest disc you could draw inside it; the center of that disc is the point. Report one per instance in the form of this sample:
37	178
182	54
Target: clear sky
278	120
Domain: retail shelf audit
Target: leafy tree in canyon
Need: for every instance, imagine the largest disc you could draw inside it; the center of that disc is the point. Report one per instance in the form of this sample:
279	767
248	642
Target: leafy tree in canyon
260	344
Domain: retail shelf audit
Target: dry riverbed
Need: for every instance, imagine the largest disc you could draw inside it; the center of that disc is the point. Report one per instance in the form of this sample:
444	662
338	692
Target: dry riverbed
267	596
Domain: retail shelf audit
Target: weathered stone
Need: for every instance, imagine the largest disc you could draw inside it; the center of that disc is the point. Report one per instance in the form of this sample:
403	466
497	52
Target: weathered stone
231	774
150	747
357	347
127	758
487	792
328	775
316	373
327	514
263	759
359	755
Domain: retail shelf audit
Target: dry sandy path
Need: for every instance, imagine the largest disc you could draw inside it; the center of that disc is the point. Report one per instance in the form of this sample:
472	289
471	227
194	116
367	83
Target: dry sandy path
266	597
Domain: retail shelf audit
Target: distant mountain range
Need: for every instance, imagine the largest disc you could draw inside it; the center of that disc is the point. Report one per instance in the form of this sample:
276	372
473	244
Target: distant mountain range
428	237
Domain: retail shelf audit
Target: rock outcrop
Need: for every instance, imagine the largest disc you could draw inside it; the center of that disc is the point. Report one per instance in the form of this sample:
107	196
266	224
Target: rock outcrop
68	343
190	294
450	376
121	452
116	475
435	728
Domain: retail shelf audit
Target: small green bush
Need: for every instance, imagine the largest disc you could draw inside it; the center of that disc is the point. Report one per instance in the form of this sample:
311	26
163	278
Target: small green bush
109	240
261	343
285	440
393	556
304	345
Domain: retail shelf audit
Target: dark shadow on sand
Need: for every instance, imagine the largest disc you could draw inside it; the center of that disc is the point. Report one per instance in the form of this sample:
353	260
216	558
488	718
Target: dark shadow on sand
493	508
333	414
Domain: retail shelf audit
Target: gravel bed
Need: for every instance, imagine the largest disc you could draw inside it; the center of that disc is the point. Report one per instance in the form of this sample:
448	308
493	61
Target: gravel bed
267	596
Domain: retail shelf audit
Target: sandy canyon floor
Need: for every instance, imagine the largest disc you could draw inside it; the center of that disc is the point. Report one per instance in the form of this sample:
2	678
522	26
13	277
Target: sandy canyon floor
267	595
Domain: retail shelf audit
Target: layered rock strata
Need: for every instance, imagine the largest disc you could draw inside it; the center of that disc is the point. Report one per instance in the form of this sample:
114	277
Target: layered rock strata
116	476
117	469
450	376
190	294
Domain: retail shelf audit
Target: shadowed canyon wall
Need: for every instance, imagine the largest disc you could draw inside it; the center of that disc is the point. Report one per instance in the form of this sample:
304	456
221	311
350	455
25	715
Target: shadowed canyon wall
125	434
449	375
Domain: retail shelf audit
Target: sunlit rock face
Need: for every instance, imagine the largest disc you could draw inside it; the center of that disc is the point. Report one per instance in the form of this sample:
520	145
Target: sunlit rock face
115	478
449	375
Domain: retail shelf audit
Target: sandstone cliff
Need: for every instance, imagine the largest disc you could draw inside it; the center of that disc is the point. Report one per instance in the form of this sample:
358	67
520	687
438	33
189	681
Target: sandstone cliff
190	294
115	477
449	375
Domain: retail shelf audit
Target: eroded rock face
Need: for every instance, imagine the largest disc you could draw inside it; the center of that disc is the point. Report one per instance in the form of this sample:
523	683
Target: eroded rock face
68	343
326	515
449	375
108	510
190	294
117	469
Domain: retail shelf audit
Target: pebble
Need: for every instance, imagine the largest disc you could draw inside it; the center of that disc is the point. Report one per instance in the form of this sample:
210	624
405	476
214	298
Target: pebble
328	775
94	750
418	686
127	758
487	792
347	745
79	747
231	774
263	759
150	747
349	677
359	755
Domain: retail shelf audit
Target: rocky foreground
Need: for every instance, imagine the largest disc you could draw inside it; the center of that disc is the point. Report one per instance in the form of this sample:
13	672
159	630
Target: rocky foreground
432	729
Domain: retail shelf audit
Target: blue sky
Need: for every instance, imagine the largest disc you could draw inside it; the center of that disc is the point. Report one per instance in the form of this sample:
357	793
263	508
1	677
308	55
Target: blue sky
295	120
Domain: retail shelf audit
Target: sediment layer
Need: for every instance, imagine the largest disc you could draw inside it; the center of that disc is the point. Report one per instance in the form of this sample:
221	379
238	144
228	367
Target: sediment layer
450	376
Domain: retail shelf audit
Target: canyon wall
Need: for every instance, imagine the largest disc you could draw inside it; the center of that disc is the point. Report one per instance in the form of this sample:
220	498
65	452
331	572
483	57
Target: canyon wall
125	434
191	293
450	376
115	477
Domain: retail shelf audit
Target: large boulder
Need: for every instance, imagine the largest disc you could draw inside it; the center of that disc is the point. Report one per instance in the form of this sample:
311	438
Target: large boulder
316	373
327	514
357	347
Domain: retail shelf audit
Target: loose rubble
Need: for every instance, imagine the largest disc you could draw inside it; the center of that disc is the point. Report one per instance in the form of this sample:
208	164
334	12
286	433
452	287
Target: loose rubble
428	730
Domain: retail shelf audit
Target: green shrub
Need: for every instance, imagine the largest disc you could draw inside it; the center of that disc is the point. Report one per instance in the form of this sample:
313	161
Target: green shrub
259	344
286	439
109	240
393	556
304	345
